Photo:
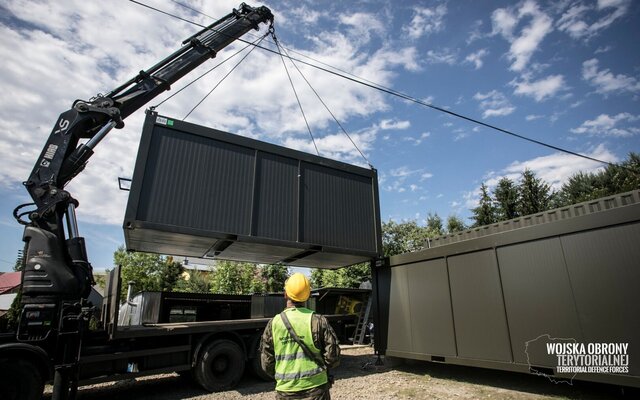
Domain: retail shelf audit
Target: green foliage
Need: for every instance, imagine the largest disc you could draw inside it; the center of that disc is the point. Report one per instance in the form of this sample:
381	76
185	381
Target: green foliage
231	277
19	264
398	238
612	180
13	314
532	195
274	277
485	213
506	195
455	224
348	277
194	282
150	272
535	195
434	225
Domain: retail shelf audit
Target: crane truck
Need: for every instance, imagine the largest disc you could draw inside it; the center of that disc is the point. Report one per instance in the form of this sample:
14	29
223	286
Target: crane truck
52	341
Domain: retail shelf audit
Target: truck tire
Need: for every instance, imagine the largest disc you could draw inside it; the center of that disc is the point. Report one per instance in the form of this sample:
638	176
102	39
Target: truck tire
20	380
256	368
220	366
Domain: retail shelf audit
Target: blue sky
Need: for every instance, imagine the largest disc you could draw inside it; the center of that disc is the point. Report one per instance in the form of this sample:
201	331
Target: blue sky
563	72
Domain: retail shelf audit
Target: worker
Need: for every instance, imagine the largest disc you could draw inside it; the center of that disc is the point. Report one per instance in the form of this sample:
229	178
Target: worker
299	373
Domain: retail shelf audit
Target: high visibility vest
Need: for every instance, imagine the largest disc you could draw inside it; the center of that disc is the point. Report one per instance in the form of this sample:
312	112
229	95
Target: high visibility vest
294	370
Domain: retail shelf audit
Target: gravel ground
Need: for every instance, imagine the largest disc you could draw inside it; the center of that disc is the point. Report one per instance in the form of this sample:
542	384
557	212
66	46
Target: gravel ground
359	378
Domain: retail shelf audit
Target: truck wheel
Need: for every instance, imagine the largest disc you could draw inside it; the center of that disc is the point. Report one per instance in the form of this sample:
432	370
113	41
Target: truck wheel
20	380
256	368
220	366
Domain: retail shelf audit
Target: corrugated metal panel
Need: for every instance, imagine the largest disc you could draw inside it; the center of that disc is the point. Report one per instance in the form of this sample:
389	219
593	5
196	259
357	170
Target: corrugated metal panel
537	295
478	307
430	300
572	279
276	194
173	188
334	198
604	268
399	312
563	213
200	192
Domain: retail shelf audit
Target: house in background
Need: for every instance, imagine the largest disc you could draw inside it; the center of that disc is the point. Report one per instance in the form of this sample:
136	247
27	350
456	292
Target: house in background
10	282
9	287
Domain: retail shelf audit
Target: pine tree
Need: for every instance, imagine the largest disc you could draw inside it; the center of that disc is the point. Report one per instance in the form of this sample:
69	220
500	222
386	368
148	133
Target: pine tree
434	225
535	195
485	213
506	194
455	224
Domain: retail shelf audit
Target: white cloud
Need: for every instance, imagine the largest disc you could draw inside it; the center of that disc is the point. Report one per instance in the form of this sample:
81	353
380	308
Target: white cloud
337	146
527	41
387	124
475	32
606	125
403	174
444	56
476	58
426	21
585	21
403	171
362	25
605	81
533	117
554	169
62	57
540	89
425	176
418	140
494	104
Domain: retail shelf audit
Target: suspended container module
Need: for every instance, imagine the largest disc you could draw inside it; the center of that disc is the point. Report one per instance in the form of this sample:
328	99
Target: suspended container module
201	192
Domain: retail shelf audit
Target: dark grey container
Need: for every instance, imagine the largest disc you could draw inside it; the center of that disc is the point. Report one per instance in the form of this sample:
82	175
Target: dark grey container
200	192
495	296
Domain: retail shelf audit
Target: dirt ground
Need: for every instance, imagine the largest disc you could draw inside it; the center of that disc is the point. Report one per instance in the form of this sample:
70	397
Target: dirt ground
359	378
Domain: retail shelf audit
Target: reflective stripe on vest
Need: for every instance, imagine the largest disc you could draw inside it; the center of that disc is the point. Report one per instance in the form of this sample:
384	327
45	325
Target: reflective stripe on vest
294	370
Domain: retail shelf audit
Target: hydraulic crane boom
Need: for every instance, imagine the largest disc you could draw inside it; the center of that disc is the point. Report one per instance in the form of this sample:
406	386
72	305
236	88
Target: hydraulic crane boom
57	275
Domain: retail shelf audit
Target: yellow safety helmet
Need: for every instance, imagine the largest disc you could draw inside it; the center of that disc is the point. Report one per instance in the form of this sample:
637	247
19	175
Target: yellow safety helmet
297	287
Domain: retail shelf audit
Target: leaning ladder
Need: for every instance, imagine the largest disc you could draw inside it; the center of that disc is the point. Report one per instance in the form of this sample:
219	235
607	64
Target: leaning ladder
363	319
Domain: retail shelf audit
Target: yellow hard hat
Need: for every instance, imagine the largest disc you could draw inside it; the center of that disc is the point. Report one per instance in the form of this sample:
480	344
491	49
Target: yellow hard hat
297	287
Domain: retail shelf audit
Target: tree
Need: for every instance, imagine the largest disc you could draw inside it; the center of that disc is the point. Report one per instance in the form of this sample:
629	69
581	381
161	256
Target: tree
19	264
506	195
626	177
485	212
274	277
612	180
150	272
535	194
455	224
194	282
317	278
398	238
231	277
434	225
348	277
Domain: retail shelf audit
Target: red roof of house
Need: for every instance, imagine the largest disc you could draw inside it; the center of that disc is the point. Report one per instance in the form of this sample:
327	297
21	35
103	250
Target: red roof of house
9	280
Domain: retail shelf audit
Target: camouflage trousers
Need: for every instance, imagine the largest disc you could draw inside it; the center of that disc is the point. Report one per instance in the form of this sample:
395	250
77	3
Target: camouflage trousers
317	393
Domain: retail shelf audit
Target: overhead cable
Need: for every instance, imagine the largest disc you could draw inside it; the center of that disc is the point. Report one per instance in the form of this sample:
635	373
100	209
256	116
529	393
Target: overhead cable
404	96
327	108
295	93
224	77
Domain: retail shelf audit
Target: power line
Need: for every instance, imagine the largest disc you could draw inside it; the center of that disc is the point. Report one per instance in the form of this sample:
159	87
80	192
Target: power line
223	78
296	94
327	107
401	95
